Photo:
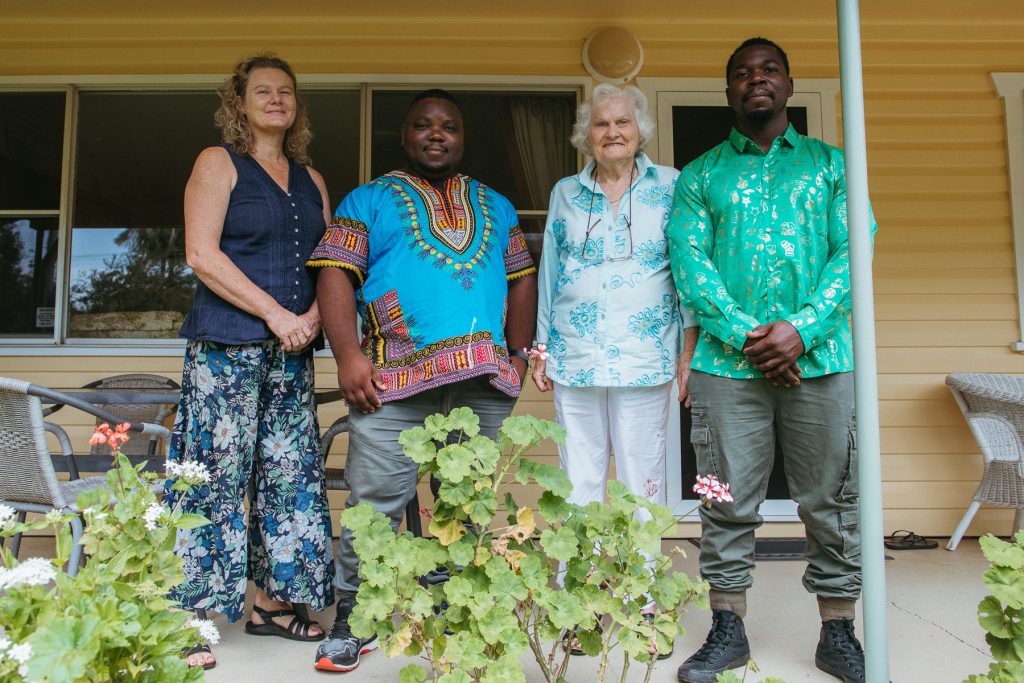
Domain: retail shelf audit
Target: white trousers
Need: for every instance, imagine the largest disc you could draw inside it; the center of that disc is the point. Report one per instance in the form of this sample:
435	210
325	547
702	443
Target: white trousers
632	422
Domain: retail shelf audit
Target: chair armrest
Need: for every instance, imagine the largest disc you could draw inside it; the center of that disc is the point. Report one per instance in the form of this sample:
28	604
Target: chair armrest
66	449
54	396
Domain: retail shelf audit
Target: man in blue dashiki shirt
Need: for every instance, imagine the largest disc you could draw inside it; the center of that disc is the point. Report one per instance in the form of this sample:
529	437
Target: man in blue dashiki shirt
759	250
436	266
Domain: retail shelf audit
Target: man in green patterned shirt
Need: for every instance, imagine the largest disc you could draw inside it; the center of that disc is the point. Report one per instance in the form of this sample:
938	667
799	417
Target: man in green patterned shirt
759	253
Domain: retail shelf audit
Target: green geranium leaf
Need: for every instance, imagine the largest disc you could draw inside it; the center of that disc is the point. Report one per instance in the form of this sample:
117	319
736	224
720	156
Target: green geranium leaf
454	462
552	479
464	419
1002	648
487	453
455	677
63	649
466	650
590	641
357	518
565	610
412	674
1001	553
377	602
520	430
459	591
560	545
482	510
418	445
992	619
437	427
461	552
506	669
456	494
534	571
552	506
191	521
1006	584
495	623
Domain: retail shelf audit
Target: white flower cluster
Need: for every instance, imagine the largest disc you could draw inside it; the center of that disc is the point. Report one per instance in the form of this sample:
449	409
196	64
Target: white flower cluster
19	653
6	516
152	515
189	471
207	630
37	571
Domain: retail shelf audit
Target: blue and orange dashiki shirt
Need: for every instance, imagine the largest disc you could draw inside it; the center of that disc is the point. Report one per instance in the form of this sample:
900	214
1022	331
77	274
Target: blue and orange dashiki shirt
433	269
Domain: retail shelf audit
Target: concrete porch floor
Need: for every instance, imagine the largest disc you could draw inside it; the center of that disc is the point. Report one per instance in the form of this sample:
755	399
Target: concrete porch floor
934	636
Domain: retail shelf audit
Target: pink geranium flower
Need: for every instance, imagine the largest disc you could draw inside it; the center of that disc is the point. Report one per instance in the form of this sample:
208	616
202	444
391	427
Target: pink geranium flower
710	489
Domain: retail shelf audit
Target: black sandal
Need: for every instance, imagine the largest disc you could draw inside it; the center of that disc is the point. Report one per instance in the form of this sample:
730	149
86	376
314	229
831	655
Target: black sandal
199	648
297	629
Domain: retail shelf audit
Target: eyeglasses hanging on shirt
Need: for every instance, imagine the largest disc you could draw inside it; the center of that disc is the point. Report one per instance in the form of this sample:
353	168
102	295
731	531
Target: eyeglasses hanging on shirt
598	257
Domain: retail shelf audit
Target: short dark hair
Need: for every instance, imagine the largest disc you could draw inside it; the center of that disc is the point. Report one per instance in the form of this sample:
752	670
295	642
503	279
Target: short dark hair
434	94
757	40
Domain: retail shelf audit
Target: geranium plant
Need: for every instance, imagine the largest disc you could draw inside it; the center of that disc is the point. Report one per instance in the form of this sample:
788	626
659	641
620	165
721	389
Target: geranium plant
112	620
1002	613
503	599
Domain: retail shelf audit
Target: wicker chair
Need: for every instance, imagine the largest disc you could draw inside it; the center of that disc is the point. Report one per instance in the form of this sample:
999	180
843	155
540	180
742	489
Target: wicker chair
336	476
137	450
993	406
28	481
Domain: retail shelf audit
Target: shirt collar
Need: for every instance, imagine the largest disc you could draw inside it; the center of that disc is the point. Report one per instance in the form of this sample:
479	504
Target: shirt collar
740	141
644	166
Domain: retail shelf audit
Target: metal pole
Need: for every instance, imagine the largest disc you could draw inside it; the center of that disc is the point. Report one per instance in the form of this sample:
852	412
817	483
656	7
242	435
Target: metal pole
876	641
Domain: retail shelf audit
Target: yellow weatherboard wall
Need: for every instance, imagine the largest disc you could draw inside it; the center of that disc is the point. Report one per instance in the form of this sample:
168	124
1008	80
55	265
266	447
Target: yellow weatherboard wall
944	269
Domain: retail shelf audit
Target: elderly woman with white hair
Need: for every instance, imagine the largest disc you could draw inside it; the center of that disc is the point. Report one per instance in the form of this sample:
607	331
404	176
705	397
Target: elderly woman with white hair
607	311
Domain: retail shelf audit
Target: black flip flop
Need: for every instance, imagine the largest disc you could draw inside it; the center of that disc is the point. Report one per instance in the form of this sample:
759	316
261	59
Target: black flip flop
908	540
199	648
297	629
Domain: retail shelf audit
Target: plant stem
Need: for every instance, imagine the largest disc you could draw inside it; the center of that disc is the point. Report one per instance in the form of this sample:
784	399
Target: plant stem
538	654
625	666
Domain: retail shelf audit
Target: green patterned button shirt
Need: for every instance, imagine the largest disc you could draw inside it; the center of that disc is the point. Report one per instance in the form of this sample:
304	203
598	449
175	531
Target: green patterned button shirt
757	237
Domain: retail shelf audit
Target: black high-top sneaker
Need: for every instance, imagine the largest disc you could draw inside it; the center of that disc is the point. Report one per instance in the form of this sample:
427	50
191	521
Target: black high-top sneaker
725	648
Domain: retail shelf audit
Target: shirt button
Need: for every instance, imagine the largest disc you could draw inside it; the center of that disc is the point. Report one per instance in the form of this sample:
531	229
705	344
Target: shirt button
296	243
296	256
296	270
297	282
296	229
293	203
296	218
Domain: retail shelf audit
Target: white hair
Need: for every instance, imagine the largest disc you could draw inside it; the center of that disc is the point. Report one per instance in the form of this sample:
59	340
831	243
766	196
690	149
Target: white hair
603	93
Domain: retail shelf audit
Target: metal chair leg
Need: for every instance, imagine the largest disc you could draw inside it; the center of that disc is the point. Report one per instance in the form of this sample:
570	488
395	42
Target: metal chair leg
77	528
16	538
961	528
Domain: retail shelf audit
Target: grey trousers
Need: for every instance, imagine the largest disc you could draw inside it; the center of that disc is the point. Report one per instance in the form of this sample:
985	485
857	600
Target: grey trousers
380	473
735	424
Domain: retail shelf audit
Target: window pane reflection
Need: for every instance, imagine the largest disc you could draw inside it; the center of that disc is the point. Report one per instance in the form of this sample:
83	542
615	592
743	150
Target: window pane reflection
28	258
31	145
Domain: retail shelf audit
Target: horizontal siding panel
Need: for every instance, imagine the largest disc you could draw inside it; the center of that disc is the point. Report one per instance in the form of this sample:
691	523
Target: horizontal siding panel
948	307
948	333
943	280
949	360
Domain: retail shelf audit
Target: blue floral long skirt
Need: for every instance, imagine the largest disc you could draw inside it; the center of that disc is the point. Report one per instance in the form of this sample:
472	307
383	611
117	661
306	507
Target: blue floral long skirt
248	413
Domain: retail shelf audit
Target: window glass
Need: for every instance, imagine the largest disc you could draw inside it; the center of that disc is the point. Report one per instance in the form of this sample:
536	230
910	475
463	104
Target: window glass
334	116
28	267
698	128
128	275
31	145
516	142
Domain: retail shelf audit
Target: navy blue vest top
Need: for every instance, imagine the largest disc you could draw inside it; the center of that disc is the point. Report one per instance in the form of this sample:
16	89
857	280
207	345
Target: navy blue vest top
269	234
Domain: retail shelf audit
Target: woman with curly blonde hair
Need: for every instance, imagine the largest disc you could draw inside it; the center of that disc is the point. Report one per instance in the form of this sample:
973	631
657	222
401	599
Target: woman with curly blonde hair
254	210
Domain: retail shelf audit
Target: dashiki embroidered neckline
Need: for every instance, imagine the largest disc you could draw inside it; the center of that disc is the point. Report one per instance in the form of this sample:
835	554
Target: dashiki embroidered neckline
449	220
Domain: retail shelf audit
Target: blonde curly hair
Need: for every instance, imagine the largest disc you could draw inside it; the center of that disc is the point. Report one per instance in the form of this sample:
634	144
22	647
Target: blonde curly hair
234	126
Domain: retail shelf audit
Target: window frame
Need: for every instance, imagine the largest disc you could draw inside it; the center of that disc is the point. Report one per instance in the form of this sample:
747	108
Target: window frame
59	344
1010	87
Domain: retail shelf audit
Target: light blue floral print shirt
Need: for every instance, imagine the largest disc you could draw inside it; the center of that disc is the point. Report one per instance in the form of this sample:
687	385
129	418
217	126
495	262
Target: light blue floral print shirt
608	314
759	237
